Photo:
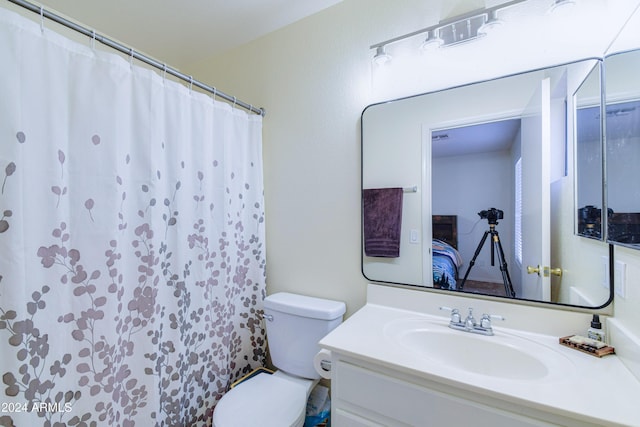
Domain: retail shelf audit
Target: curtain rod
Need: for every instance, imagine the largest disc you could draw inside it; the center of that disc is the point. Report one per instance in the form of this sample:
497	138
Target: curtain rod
44	13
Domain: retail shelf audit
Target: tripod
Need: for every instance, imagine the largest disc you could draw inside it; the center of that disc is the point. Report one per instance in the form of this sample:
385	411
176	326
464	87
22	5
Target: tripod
495	243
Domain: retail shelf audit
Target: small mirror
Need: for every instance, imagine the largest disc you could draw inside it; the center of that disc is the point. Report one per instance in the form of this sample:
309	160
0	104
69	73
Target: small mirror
623	148
588	157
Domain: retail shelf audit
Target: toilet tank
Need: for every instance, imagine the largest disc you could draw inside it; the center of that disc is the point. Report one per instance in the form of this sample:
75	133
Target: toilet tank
295	324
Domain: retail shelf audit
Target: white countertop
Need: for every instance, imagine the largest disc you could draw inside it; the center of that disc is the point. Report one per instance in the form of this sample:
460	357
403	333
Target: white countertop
600	390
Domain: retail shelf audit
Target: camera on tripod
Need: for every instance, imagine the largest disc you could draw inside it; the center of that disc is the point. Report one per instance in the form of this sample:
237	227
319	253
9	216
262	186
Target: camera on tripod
492	215
590	214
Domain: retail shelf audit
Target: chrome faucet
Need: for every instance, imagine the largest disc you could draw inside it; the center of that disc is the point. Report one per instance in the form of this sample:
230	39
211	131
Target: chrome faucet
469	324
470	321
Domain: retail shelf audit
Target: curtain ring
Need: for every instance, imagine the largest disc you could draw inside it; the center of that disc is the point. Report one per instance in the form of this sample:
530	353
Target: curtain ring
215	91
234	102
164	73
190	83
93	39
131	57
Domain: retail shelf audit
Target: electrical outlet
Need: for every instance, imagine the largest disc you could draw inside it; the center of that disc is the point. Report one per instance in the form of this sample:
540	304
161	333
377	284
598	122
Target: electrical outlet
619	278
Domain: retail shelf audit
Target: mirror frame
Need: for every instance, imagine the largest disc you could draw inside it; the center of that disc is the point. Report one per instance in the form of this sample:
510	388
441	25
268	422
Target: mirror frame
603	308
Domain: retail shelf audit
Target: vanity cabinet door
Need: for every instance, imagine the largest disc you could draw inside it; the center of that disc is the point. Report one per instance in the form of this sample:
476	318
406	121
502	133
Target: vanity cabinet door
368	398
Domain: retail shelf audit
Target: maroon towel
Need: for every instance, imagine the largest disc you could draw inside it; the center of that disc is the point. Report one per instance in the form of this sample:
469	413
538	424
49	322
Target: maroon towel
382	219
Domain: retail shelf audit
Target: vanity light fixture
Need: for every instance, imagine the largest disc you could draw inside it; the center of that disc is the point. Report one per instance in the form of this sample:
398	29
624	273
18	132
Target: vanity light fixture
381	57
452	31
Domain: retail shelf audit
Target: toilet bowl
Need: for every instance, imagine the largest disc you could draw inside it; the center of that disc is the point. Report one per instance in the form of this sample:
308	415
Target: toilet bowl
295	324
265	400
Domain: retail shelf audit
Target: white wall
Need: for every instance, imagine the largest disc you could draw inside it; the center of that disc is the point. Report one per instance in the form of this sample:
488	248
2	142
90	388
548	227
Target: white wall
314	78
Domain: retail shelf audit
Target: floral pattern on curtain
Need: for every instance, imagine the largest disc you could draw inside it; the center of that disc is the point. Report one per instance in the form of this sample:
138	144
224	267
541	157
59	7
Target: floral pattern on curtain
132	258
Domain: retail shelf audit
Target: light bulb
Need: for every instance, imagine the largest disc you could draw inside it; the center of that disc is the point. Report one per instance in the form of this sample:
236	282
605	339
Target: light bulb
381	57
490	24
432	42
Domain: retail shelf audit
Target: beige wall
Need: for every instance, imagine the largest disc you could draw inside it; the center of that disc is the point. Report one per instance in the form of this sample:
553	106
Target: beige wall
314	78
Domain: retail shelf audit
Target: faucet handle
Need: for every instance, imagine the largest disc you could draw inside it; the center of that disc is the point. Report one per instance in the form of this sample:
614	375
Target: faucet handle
455	314
485	322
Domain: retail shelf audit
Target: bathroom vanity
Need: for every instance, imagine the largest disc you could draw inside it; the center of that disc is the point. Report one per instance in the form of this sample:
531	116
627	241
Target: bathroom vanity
397	363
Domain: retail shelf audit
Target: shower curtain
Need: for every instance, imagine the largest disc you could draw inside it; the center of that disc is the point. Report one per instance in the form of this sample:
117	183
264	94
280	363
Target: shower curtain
132	258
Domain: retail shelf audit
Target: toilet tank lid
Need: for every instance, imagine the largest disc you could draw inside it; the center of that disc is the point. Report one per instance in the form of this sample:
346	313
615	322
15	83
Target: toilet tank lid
301	305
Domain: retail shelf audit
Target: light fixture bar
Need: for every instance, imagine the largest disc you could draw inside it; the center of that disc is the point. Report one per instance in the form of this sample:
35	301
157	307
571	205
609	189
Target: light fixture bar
446	22
462	31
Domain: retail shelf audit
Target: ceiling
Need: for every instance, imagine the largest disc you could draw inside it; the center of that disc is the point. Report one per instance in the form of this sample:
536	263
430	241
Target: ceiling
500	135
186	31
480	138
181	33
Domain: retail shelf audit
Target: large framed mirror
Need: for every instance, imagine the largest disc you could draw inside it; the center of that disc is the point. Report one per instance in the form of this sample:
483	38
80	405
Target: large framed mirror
471	189
623	148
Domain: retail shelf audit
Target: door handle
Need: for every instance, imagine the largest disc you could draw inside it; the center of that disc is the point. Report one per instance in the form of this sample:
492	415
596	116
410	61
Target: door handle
554	271
533	270
546	271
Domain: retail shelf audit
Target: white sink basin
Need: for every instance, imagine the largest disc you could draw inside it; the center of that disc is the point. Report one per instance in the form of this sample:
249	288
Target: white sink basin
501	356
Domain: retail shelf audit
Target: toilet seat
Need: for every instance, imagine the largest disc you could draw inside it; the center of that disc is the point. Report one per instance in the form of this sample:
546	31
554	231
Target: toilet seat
264	400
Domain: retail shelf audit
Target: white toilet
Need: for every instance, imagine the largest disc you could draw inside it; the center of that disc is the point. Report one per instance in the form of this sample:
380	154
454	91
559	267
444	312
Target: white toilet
295	324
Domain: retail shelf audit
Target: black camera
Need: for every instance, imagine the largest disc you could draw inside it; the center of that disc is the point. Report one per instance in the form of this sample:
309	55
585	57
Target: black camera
589	221
492	215
590	214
